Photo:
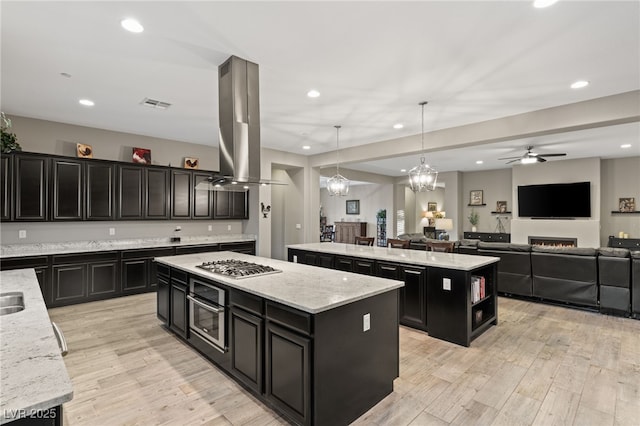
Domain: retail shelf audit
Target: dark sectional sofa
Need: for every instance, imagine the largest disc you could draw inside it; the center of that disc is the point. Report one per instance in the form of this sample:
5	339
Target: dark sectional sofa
607	279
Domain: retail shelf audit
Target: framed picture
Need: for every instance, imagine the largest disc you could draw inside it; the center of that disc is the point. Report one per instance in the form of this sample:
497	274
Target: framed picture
191	163
627	204
84	151
141	155
432	207
353	206
475	198
501	206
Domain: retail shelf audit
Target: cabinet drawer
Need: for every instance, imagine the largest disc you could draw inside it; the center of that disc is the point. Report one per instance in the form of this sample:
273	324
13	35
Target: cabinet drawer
23	262
148	253
162	269
288	317
246	301
84	257
179	276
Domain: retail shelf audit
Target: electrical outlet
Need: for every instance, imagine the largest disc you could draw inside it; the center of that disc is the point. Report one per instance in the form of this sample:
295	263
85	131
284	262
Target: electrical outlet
228	227
295	258
22	233
112	231
298	226
446	284
366	322
209	228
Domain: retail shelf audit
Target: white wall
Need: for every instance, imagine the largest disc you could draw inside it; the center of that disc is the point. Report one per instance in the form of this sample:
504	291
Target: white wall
286	210
587	231
496	186
620	178
372	197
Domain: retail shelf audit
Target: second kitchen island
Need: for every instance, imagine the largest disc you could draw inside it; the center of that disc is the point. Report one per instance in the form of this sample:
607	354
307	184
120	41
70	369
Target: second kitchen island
321	347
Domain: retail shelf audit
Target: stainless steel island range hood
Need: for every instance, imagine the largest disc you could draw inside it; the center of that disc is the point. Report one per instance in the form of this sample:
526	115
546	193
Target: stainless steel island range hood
239	116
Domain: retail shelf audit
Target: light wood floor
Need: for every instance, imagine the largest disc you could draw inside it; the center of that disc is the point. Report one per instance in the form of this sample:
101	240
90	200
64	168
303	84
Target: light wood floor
542	365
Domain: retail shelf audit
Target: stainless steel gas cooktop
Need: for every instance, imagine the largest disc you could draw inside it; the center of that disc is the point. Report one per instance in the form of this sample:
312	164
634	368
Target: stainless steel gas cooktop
234	268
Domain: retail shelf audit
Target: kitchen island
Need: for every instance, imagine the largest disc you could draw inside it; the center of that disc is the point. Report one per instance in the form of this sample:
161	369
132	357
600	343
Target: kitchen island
33	378
321	347
451	296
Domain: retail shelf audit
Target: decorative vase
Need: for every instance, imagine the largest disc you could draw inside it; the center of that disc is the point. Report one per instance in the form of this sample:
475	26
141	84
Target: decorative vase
474	229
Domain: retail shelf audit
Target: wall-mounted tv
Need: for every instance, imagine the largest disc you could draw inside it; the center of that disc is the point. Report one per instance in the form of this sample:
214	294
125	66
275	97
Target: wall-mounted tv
556	200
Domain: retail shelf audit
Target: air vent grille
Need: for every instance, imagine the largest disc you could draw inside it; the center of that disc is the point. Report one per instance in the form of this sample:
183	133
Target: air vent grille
153	103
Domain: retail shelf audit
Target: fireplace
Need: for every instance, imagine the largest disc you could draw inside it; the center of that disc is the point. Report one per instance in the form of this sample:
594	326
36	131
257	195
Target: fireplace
553	241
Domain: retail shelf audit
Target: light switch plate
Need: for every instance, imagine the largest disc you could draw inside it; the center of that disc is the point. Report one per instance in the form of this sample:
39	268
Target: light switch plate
446	284
366	322
22	233
209	228
298	226
112	231
228	227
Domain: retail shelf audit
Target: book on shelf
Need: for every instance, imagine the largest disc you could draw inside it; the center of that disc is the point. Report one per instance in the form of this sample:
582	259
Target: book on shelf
478	288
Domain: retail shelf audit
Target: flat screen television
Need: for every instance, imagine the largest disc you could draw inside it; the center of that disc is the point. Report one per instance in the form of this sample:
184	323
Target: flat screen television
556	200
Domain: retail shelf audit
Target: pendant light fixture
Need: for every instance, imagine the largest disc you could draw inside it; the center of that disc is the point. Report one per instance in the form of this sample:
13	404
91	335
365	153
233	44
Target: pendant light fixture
422	178
338	184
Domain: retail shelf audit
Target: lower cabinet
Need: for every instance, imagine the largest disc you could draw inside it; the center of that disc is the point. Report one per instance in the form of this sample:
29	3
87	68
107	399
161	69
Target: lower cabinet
363	266
42	267
81	278
163	297
247	348
311	258
179	306
138	269
343	263
288	375
413	297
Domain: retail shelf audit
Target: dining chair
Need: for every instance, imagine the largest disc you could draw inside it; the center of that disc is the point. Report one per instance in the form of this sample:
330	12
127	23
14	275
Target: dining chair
441	246
395	243
364	241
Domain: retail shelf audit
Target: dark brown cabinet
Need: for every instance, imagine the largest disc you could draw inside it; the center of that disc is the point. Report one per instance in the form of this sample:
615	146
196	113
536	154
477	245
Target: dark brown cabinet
364	266
83	277
139	270
156	194
179	310
42	267
202	198
67	190
163	294
344	263
31	180
130	191
5	188
181	188
69	283
413	297
230	205
100	190
246	348
311	258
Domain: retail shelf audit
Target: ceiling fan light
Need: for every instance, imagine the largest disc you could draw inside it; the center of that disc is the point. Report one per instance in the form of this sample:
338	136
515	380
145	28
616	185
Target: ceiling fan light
529	160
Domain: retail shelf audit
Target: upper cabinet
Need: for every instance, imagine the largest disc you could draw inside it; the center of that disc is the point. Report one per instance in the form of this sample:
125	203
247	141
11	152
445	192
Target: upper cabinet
41	188
31	183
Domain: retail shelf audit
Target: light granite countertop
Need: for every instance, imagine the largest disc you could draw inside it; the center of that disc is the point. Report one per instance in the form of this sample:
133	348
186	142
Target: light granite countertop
42	249
461	262
303	287
33	375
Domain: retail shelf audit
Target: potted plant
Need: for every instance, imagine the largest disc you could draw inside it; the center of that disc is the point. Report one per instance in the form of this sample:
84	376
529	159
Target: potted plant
474	218
382	214
9	139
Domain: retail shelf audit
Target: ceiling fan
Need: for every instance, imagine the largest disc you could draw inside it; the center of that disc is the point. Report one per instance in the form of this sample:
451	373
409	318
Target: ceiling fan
530	157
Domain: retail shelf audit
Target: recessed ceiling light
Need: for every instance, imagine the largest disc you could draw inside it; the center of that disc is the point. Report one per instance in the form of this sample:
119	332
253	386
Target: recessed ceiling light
86	102
403	170
625	146
580	84
313	93
540	4
479	162
246	187
306	147
132	25
398	126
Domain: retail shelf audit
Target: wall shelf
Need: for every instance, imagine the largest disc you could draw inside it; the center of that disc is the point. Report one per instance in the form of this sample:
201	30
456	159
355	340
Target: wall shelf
619	212
500	212
476	205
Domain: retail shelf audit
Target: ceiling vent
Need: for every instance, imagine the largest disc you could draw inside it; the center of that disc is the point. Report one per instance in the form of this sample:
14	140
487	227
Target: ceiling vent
152	103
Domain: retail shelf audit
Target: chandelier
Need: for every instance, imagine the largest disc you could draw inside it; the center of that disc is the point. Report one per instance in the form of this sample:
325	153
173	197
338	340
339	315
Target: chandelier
422	177
338	184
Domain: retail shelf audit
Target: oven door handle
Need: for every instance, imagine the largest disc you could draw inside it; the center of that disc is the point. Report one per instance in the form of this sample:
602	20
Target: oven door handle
204	305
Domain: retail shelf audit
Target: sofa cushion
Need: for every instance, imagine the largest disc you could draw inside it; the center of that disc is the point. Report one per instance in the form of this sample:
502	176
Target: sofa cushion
635	254
613	252
412	237
468	243
576	251
504	246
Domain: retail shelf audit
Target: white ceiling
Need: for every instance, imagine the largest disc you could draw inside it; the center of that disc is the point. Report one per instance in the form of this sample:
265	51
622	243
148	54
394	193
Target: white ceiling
371	61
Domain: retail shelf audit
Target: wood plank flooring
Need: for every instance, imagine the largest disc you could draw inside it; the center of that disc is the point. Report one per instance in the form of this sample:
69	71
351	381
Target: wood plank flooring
542	365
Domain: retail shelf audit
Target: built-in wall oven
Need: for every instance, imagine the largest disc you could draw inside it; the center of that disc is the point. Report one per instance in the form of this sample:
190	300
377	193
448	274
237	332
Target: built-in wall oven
207	314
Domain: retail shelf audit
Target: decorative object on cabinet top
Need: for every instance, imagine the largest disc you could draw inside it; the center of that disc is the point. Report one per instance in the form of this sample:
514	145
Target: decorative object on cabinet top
84	150
141	156
9	139
191	163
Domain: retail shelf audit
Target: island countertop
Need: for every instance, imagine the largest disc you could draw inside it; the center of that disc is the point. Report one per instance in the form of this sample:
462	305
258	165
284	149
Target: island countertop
32	372
461	262
303	287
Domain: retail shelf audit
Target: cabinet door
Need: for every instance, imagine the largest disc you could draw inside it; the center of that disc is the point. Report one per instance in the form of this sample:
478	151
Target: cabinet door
221	205
325	260
130	194
103	279
388	270
413	301
134	275
5	188
100	184
288	376
69	283
202	198
43	275
246	348
181	194
68	199
239	205
179	321
157	194
344	263
163	299
31	186
364	266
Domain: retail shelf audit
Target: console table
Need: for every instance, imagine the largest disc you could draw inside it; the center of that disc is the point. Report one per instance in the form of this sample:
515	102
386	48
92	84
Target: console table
488	237
630	243
346	232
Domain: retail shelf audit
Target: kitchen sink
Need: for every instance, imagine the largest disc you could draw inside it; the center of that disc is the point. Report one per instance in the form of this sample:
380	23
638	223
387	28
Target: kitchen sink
11	302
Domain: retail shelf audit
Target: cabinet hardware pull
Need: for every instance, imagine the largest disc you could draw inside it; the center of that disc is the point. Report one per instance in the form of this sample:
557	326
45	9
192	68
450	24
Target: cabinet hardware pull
204	305
62	343
412	272
388	268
